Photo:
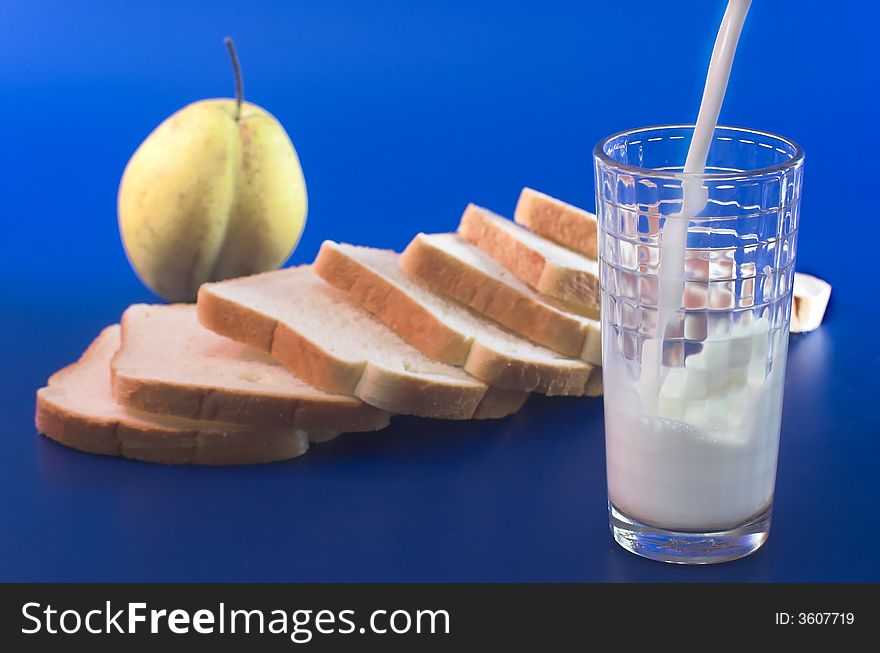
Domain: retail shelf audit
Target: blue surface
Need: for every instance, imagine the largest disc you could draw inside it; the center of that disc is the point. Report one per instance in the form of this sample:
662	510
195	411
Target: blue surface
402	112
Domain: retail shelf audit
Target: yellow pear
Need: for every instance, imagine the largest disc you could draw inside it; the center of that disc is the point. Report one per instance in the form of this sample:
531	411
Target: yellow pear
216	191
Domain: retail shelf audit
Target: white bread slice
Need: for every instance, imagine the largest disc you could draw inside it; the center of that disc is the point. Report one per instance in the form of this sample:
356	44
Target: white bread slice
323	336
77	409
444	329
170	364
551	269
810	297
451	265
560	222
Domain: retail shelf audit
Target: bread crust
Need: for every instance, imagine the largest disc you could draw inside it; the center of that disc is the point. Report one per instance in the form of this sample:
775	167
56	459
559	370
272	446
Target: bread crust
575	287
558	221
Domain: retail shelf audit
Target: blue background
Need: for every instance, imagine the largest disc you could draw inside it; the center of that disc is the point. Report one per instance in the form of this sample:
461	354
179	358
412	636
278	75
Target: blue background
402	112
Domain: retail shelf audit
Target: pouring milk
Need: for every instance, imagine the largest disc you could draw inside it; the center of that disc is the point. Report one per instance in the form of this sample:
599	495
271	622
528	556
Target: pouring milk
693	447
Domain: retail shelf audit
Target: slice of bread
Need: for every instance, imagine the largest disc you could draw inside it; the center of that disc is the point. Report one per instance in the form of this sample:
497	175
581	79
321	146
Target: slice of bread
560	222
810	297
450	265
77	409
443	328
170	364
549	268
323	336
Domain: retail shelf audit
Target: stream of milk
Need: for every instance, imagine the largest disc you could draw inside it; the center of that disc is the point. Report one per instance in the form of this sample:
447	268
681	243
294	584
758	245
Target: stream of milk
673	244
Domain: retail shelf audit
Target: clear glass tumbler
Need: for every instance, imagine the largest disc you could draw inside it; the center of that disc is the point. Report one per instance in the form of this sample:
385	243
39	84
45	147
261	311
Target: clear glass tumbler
692	414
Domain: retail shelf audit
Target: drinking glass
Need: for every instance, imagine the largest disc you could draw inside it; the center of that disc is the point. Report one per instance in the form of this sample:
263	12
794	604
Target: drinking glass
692	414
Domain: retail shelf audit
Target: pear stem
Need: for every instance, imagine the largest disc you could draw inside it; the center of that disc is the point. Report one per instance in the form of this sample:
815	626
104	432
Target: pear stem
236	69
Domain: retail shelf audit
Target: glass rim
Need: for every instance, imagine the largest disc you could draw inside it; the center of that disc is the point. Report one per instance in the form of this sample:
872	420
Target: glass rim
599	154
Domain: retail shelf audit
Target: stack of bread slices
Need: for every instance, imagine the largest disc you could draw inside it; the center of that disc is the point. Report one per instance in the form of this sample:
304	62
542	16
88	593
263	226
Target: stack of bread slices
459	326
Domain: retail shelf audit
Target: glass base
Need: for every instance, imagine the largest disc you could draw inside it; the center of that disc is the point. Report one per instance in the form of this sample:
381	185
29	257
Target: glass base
688	547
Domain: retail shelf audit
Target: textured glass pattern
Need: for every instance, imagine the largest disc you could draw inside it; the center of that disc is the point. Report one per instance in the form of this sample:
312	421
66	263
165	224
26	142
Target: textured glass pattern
740	248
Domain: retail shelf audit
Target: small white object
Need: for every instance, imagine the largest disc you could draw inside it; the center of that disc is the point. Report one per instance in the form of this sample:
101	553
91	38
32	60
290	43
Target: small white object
811	296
